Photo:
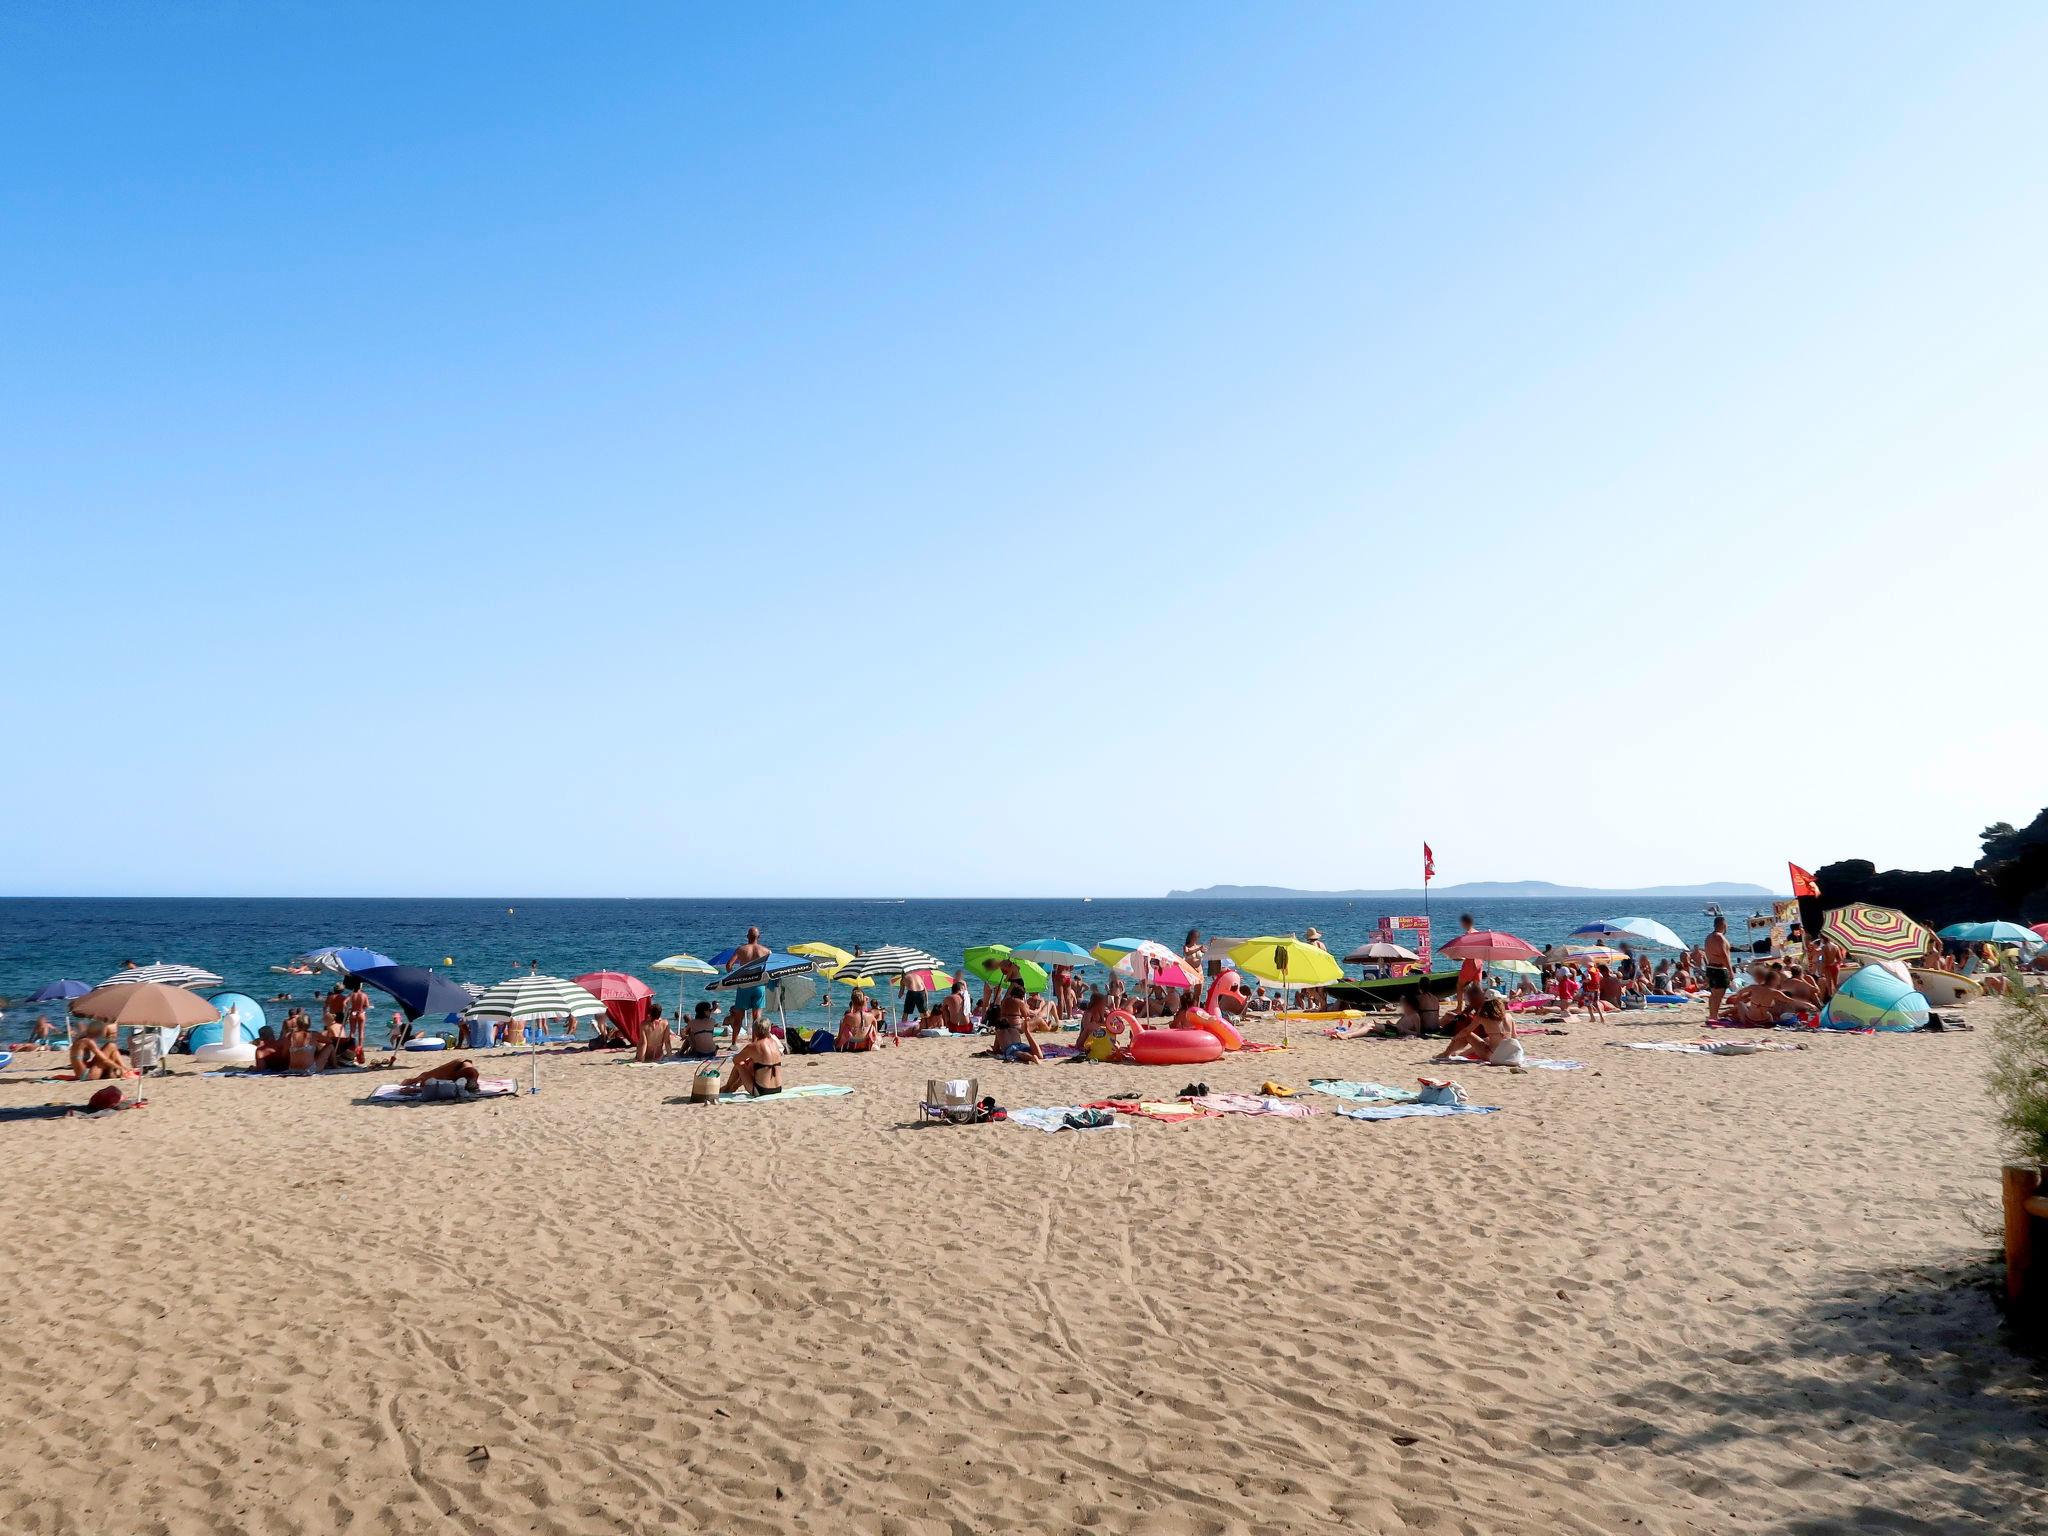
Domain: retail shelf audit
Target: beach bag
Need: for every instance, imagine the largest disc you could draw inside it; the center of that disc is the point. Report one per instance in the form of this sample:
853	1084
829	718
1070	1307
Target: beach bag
704	1086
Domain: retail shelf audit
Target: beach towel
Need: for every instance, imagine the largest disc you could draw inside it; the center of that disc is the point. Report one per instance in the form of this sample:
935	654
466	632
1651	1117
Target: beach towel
1415	1111
1532	1061
1705	1047
1055	1117
1362	1093
65	1111
806	1091
486	1088
1257	1104
1257	1048
1168	1111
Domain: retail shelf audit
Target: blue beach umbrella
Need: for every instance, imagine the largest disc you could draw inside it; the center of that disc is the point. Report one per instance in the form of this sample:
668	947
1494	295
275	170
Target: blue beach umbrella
416	989
768	971
1051	952
350	959
1648	929
60	991
1992	933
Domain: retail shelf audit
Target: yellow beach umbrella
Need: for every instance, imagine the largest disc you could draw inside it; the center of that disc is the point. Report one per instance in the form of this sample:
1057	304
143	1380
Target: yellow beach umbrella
831	954
1288	961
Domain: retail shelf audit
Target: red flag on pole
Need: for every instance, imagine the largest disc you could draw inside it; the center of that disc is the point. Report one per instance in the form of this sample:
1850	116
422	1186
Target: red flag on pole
1803	884
1428	865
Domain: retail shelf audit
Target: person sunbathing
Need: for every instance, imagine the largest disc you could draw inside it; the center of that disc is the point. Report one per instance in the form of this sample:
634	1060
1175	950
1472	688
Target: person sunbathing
654	1037
856	1026
1014	1039
703	1030
1095	1025
270	1051
757	1069
302	1052
1488	1035
461	1071
1759	1005
92	1059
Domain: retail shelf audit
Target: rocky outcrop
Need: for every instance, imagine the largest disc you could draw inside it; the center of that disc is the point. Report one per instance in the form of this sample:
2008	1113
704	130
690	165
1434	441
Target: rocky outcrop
2010	881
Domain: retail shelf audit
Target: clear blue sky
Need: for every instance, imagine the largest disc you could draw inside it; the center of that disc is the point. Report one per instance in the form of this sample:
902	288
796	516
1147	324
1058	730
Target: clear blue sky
1037	450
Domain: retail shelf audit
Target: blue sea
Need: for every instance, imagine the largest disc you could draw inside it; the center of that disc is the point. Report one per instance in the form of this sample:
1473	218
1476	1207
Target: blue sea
88	938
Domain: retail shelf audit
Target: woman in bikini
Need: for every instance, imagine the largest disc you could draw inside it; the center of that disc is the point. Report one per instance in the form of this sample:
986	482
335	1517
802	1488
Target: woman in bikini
1488	1035
1014	1039
856	1026
93	1060
757	1069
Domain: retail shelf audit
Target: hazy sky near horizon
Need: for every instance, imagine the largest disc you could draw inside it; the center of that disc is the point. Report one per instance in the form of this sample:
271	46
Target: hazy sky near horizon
1077	449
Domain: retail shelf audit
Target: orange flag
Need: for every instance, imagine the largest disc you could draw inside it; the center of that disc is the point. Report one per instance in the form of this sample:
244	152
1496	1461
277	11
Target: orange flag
1803	884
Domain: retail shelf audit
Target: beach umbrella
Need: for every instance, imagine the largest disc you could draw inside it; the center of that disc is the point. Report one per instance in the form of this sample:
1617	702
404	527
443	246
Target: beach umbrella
162	976
2041	929
1487	944
766	973
684	965
986	962
1156	965
1581	954
1878	932
626	998
417	990
930	981
1649	930
889	960
1991	933
1378	951
1109	951
1514	967
830	954
345	959
535	997
794	991
1052	952
1289	961
146	1005
59	991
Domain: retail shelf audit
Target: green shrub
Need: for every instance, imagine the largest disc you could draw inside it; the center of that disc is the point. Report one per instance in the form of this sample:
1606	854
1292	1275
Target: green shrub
2019	1071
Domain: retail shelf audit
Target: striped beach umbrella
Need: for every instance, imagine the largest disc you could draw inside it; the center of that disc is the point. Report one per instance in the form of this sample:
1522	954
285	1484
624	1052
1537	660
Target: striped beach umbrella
889	960
535	997
163	976
1877	932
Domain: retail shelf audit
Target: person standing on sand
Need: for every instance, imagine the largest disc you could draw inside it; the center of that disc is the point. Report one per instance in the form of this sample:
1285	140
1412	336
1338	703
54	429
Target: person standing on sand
1469	970
749	1004
1720	966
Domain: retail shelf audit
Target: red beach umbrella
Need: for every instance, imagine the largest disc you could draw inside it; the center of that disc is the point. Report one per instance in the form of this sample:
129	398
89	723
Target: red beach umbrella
627	999
1488	944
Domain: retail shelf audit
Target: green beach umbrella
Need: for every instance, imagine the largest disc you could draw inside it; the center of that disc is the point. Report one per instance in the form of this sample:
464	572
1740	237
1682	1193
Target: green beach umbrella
986	961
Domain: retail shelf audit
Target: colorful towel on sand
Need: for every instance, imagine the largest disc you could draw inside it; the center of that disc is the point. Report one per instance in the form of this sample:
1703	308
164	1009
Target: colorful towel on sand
486	1088
1257	1048
1704	1047
1054	1117
1415	1111
1255	1104
1362	1093
806	1091
1541	1063
1170	1111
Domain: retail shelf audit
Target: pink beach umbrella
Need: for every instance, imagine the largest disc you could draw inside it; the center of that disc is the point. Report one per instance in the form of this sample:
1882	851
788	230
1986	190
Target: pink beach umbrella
627	999
1487	944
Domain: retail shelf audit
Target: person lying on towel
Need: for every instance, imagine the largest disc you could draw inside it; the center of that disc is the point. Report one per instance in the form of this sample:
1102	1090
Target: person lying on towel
461	1071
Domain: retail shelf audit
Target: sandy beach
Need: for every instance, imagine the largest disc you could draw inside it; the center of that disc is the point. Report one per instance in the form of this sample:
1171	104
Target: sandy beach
1664	1294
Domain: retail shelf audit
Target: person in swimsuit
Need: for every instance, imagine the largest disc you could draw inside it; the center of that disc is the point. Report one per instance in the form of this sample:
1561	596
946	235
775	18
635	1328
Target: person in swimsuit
1094	1022
703	1031
654	1036
1488	1035
462	1072
270	1052
757	1069
749	1003
1014	1039
1720	967
302	1055
856	1026
356	1011
92	1059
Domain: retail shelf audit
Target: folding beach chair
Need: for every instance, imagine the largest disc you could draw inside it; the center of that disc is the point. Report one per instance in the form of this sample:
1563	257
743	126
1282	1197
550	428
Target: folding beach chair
950	1101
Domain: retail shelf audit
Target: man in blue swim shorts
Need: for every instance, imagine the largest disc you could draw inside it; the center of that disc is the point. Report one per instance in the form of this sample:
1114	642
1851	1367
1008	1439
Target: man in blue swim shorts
749	1003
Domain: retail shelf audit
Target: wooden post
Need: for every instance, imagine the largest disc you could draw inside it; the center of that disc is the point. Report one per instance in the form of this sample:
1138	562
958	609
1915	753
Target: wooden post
2020	1183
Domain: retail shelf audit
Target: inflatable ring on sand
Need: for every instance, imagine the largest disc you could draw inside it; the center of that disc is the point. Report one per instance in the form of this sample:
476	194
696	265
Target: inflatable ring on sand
1175	1048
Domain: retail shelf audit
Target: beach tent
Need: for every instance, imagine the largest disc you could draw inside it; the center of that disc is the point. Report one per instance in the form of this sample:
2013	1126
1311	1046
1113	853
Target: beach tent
1874	998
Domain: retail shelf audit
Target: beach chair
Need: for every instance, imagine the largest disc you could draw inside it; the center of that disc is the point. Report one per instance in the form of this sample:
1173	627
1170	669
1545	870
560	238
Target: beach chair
949	1101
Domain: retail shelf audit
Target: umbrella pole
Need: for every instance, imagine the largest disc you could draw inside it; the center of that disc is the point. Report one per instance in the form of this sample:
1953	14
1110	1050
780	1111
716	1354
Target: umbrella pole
532	1065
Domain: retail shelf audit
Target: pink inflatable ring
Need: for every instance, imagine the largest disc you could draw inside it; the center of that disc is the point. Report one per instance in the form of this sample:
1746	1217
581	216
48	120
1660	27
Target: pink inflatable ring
1175	1047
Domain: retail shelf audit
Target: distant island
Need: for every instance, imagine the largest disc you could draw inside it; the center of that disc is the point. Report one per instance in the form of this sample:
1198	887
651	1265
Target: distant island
1486	890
